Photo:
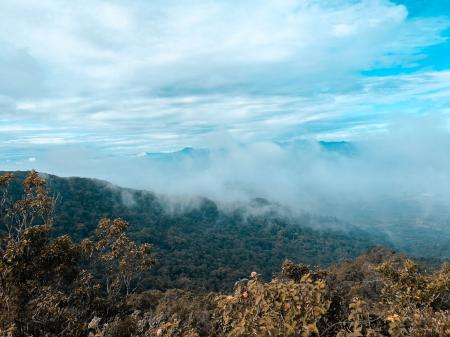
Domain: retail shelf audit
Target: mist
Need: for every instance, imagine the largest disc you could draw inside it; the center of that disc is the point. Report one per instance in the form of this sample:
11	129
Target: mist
409	163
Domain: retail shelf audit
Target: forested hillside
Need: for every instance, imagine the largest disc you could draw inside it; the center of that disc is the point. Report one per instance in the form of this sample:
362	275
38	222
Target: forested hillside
203	246
52	286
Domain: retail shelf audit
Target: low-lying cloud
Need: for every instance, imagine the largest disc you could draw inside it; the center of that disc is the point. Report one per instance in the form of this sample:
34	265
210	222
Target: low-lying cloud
409	163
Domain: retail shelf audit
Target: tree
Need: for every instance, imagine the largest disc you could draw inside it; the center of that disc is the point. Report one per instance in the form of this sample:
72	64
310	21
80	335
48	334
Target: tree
35	270
123	260
53	286
47	285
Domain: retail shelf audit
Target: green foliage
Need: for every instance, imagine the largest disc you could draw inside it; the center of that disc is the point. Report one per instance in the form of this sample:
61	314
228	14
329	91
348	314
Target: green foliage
54	286
203	247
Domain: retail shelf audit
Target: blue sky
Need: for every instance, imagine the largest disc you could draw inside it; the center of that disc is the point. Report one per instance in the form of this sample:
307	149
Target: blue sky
122	78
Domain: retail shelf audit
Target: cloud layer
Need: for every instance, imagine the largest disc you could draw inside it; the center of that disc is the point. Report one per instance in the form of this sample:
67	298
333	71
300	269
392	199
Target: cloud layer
92	87
397	181
204	45
161	75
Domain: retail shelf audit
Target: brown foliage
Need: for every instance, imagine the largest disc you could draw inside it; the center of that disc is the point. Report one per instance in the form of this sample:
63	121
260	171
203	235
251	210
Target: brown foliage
277	308
415	304
56	287
123	259
44	289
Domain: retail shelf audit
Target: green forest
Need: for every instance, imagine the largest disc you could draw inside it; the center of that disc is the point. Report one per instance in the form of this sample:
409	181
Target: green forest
80	258
203	247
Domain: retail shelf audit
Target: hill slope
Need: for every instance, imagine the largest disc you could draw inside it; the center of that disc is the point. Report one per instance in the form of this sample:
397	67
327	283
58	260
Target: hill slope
203	246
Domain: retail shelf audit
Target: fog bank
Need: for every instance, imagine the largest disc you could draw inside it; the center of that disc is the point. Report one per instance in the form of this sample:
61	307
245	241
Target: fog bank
408	163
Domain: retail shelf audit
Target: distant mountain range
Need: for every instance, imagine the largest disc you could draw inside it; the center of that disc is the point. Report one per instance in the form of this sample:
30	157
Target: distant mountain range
176	155
341	147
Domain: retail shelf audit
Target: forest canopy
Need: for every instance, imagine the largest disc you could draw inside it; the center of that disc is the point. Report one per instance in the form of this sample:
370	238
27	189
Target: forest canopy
53	285
202	245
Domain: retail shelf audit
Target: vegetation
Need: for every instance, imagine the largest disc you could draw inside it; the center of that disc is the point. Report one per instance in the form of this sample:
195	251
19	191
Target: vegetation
55	286
202	247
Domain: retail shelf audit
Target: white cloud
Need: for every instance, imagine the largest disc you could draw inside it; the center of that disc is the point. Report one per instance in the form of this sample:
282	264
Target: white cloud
141	123
406	164
161	75
204	44
87	87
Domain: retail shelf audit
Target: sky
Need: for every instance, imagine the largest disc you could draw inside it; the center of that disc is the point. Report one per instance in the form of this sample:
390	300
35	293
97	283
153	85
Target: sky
99	88
122	78
83	82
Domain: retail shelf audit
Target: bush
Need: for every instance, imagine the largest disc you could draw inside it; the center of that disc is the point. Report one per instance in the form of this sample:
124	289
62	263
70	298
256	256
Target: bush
53	286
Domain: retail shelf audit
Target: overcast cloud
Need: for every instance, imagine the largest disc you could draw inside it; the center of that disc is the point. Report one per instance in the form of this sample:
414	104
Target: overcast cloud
154	76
